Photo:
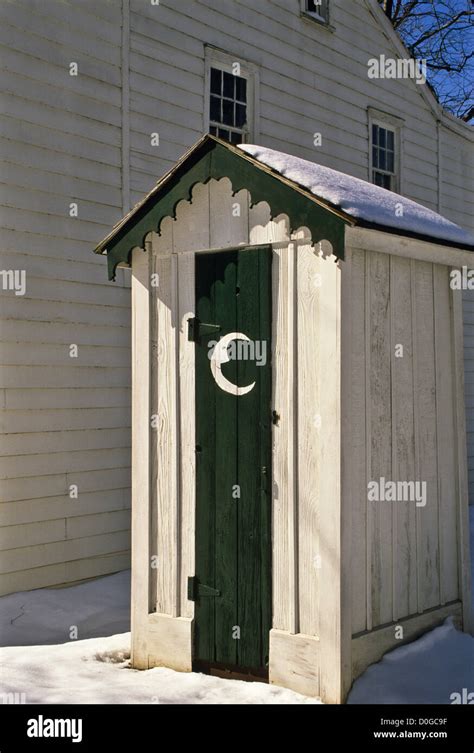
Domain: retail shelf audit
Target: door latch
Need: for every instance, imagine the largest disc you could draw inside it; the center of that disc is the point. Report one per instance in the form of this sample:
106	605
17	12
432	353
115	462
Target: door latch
197	329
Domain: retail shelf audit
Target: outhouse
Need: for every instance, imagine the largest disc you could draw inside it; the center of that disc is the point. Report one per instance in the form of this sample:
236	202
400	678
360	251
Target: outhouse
299	486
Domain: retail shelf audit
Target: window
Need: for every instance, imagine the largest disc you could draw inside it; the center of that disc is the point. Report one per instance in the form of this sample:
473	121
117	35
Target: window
231	97
317	9
383	156
228	106
385	149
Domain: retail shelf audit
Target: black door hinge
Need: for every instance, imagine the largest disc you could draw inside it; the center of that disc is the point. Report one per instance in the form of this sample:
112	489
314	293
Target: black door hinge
196	589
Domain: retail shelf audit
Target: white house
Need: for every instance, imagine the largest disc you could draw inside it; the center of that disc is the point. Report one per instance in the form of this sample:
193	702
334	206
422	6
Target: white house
101	99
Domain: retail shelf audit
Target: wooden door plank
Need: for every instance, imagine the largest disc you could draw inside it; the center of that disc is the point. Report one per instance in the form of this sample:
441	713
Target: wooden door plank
226	468
205	455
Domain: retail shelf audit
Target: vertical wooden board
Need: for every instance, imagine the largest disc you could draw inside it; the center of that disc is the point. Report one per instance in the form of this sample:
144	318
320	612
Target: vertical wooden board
403	439
157	247
228	215
310	395
379	512
266	460
425	391
187	406
290	417
262	229
330	482
205	464
446	444
464	561
165	459
280	355
191	228
357	486
347	439
226	509
151	248
140	454
254	461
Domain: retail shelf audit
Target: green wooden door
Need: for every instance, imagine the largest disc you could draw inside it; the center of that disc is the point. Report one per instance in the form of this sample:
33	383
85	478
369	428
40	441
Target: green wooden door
232	587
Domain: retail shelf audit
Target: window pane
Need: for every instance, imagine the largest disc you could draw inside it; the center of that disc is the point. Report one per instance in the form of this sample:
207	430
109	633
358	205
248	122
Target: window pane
229	85
240	115
224	134
384	181
390	161
382	134
213	130
228	112
215	109
382	161
375	156
390	140
236	138
375	134
216	81
240	89
319	7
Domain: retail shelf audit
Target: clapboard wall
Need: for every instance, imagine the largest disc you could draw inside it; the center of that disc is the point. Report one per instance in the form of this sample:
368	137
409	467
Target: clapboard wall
87	139
65	421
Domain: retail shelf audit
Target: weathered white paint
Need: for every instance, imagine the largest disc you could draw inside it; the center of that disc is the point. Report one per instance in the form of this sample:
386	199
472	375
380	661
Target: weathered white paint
368	648
141	549
66	420
413	554
346	571
88	139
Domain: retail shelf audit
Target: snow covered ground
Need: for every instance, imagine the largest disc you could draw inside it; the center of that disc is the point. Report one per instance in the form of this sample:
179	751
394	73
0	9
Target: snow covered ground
96	669
97	608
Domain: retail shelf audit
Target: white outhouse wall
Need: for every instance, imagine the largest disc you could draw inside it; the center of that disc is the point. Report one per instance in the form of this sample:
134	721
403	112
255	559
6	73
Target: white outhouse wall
345	571
404	421
457	203
306	522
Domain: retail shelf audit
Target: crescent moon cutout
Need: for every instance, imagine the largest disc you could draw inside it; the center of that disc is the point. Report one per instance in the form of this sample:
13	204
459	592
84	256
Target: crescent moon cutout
220	356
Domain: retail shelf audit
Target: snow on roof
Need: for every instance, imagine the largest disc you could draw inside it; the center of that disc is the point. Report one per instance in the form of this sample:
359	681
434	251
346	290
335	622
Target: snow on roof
360	199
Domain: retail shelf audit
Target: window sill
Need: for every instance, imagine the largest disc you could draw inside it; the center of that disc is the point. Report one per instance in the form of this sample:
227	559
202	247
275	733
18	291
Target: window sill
309	18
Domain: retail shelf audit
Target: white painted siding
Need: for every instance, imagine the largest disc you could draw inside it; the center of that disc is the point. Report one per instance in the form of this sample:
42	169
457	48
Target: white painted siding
457	203
85	139
404	558
306	87
64	421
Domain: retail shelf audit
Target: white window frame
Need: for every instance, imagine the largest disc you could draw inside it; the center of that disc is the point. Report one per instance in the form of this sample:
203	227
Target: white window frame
215	58
395	124
321	19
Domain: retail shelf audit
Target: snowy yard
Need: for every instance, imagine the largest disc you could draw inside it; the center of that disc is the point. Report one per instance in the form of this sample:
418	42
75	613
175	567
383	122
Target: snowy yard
96	669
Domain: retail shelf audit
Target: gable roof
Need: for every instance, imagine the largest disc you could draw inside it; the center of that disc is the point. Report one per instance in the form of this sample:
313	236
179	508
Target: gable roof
367	203
212	158
313	196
